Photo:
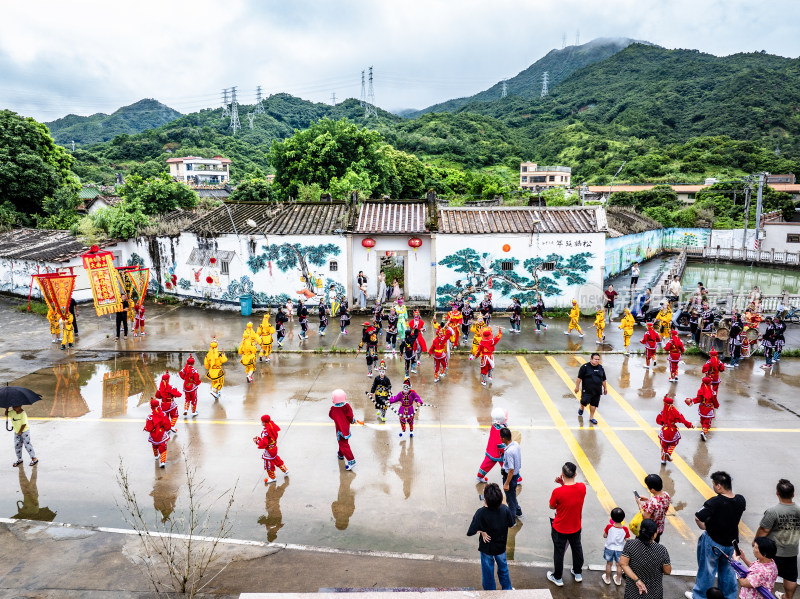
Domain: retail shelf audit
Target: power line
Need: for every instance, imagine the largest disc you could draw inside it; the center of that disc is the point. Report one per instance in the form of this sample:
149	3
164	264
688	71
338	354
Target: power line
362	99
504	91
225	111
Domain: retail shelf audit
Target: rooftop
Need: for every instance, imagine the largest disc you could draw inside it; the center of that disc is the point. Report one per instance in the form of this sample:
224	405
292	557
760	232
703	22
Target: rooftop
293	218
523	219
624	221
41	245
389	217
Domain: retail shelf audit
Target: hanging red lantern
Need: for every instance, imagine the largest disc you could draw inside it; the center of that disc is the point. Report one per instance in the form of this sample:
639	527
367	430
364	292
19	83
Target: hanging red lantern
415	242
369	243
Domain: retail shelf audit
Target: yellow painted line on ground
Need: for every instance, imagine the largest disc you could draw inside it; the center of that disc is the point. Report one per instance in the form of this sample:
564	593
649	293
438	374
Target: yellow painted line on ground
695	479
627	457
584	464
5	355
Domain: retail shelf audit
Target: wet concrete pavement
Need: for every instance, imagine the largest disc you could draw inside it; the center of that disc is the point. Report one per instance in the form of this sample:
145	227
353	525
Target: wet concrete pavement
406	495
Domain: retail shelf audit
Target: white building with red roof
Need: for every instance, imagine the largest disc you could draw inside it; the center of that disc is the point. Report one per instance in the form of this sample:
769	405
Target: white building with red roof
196	170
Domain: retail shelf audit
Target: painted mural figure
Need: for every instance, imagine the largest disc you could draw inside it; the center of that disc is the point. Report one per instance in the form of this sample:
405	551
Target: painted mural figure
408	400
495	448
486	352
213	363
264	333
402	317
574	317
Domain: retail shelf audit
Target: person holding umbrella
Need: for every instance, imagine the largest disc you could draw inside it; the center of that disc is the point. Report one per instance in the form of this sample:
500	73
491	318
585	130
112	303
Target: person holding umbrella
13	398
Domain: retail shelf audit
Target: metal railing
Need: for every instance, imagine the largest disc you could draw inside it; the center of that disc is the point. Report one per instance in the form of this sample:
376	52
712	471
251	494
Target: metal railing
743	255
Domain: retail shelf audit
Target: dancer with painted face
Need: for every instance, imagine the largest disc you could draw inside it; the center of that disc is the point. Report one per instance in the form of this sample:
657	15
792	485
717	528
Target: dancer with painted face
391	331
402	317
408	400
138	319
167	394
369	338
264	334
574	318
158	425
408	351
477	330
494	446
650	340
191	382
280	325
712	370
707	404
486	353
381	391
439	352
600	325
213	362
454	319
626	324
668	419
342	415
674	348
515	316
467	313
268	441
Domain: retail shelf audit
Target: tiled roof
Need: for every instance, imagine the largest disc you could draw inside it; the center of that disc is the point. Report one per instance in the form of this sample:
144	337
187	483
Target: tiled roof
625	221
41	245
570	219
392	217
295	218
87	193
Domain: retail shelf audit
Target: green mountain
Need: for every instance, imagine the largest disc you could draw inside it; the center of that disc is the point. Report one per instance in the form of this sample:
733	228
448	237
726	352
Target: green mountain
558	64
135	118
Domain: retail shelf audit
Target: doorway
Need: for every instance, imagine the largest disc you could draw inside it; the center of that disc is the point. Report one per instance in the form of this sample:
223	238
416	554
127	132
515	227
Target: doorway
393	264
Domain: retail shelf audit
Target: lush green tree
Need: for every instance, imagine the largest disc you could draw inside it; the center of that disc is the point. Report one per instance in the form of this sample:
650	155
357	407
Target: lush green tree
123	220
557	196
158	194
253	190
150	169
309	193
32	166
662	214
60	210
360	182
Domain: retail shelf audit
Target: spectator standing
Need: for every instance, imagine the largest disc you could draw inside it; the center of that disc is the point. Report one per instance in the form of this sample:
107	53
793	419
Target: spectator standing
382	287
655	508
22	435
73	309
610	297
567	500
675	289
615	535
634	275
719	521
512	463
592	378
645	562
781	523
762	571
396	291
122	316
362	289
492	523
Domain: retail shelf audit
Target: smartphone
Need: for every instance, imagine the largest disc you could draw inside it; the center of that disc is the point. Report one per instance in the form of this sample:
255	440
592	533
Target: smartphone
736	547
637	494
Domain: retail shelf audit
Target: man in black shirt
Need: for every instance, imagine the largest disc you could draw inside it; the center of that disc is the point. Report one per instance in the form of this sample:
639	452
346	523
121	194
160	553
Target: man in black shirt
593	378
492	523
122	316
719	521
73	309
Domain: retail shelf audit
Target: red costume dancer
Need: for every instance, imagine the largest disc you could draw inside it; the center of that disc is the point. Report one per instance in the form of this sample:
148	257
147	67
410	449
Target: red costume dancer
167	394
668	419
495	448
138	319
417	324
158	426
454	320
675	349
407	398
369	337
268	441
707	402
486	352
712	368
342	415
651	340
439	352
191	381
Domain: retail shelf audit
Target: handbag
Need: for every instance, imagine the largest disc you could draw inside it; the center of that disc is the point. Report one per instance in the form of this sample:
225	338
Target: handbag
635	524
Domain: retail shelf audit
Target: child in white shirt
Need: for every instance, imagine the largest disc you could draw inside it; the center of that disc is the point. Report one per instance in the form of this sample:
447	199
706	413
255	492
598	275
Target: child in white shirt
615	535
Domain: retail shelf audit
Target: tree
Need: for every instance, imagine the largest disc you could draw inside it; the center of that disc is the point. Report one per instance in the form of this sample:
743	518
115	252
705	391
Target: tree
484	274
59	210
158	194
32	166
121	221
253	190
359	182
294	255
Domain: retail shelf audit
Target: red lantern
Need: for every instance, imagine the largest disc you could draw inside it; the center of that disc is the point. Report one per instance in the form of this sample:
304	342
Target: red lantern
209	280
506	248
415	242
369	243
212	260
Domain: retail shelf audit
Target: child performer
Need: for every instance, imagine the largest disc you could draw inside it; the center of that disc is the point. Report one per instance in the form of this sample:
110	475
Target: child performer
158	426
342	415
213	363
391	330
167	394
264	333
407	398
138	318
707	404
280	325
574	317
323	318
67	337
191	381
650	340
377	316
664	320
248	350
486	352
55	325
369	337
268	441
344	317
439	352
668	419
476	329
600	324
674	347
495	446
402	317
381	390
626	324
712	369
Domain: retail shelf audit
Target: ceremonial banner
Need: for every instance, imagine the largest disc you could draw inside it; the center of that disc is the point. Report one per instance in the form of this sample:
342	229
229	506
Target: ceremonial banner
56	291
136	280
68	402
104	280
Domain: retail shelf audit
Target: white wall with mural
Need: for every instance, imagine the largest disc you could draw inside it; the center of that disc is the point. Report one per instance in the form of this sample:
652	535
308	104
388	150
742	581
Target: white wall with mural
556	266
679	238
622	252
417	265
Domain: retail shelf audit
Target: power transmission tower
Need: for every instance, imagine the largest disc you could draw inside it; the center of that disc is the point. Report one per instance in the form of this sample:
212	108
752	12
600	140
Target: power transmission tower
578	37
259	106
363	98
250	117
73	145
225	111
333	98
563	40
235	124
504	93
371	110
544	84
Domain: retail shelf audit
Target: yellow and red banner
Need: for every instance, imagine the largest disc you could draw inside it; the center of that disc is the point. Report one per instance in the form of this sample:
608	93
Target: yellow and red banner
136	280
57	291
104	279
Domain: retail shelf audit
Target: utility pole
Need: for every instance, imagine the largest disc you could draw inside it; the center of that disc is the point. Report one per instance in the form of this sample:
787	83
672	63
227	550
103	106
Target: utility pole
259	106
371	110
225	111
610	187
544	84
235	124
333	98
250	117
762	177
504	91
747	191
363	97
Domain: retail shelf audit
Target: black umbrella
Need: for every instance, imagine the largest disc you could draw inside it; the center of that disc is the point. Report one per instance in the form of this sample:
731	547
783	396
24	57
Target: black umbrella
17	396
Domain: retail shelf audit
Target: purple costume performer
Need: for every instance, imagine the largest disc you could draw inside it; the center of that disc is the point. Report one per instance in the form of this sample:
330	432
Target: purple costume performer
407	399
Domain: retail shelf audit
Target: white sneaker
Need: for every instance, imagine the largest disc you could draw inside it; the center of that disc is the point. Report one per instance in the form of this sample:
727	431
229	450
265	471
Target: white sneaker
580	334
556	581
605	578
578	577
194	414
566	332
688	595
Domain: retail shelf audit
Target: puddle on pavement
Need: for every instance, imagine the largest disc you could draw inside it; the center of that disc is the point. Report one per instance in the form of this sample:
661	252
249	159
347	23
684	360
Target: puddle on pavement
741	278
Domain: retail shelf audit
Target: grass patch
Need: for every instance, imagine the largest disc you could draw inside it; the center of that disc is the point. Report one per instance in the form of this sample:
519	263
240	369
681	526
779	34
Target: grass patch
37	307
170	300
693	350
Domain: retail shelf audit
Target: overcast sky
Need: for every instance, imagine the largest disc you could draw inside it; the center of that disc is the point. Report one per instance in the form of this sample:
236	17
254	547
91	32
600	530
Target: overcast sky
87	56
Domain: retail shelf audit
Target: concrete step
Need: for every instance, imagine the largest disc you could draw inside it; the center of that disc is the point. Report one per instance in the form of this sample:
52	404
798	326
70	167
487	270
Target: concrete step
409	593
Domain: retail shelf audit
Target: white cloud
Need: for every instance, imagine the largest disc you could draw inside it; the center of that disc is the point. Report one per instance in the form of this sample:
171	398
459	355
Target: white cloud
86	56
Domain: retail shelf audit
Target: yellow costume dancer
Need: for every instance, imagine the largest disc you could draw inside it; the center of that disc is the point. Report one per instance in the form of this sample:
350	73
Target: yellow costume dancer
250	334
248	349
55	325
574	316
265	332
213	363
600	324
627	324
66	335
664	321
476	329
